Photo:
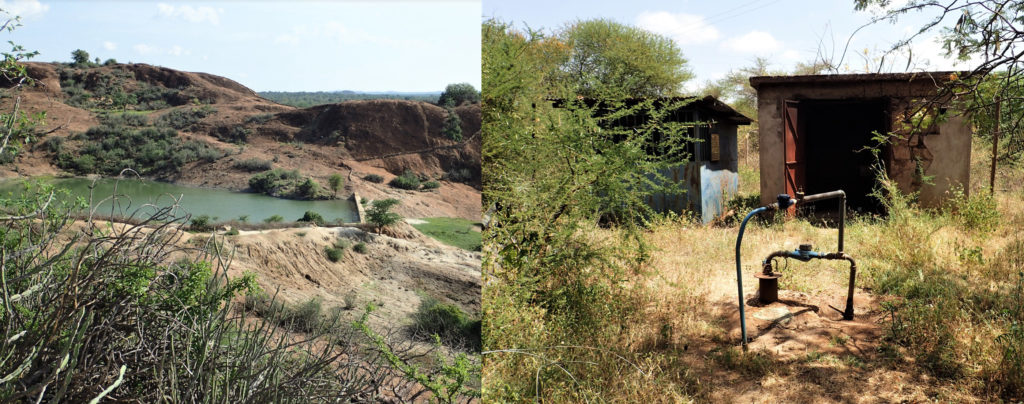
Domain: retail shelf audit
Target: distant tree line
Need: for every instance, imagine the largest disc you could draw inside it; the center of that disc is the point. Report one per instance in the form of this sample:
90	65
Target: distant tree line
305	99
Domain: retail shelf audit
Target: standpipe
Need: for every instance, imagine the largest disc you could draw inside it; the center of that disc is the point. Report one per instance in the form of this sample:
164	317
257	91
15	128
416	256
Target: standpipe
768	278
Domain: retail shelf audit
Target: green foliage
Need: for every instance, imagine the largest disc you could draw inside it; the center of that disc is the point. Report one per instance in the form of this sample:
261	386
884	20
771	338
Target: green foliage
449	384
608	59
307	316
201	223
336	181
148	150
312	217
428	185
268	181
80	57
550	175
334	254
19	129
978	211
374	178
408	180
186	119
460	175
457	94
274	219
360	247
252	164
110	89
308	189
233	134
123	119
286	184
452	125
110	62
306	99
54	144
12	67
259	119
76	312
448	322
380	214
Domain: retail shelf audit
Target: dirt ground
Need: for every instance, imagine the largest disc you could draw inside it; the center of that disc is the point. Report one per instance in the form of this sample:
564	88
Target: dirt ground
394	274
800	349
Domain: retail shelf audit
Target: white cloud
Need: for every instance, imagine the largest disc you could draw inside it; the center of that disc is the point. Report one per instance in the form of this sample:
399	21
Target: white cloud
928	53
685	29
177	50
790	55
23	8
292	39
109	45
342	34
759	42
144	49
191	14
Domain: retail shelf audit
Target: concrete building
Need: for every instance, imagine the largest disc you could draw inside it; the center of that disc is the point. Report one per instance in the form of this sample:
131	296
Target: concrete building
815	133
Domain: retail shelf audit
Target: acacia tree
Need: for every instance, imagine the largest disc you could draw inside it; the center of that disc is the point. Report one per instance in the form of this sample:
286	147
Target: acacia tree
80	57
380	214
456	94
608	59
551	174
336	181
988	33
452	125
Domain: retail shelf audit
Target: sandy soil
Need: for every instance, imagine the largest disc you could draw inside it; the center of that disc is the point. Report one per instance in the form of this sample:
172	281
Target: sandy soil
395	274
800	350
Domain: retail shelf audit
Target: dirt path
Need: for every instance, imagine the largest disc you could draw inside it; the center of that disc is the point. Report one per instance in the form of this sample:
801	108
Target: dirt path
800	348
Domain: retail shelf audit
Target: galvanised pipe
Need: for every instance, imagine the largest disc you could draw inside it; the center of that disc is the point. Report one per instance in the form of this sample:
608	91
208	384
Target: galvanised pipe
842	208
783	202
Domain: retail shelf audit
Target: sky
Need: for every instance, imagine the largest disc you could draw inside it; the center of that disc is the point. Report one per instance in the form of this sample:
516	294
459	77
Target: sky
719	36
407	46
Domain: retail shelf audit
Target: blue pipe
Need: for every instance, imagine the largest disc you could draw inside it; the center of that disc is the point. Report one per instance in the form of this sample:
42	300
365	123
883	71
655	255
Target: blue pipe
739	272
783	202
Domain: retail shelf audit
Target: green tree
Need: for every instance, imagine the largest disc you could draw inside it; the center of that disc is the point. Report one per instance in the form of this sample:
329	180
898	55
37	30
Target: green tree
80	57
309	189
456	94
551	175
380	214
989	34
452	125
336	181
608	59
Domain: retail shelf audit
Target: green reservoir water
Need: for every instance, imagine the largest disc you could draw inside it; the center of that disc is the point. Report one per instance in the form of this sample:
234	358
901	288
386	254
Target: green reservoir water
224	205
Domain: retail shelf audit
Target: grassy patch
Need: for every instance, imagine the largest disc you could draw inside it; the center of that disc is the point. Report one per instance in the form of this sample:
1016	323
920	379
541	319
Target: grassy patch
453	231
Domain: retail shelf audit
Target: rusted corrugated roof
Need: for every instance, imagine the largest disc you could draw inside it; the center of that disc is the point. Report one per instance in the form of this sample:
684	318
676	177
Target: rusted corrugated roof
708	102
727	112
937	77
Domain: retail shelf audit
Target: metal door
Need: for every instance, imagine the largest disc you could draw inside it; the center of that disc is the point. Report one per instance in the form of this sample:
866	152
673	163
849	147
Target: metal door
794	149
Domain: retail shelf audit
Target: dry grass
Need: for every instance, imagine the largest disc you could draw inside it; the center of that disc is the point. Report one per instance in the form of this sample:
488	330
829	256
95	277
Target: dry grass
689	305
934	298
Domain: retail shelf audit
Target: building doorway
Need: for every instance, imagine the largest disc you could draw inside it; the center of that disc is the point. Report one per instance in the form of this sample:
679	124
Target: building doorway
836	137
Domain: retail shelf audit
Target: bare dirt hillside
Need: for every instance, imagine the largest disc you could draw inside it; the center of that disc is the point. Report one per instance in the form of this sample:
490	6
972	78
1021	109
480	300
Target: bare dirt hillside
394	274
354	138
